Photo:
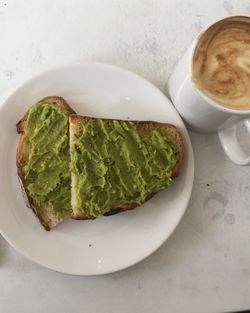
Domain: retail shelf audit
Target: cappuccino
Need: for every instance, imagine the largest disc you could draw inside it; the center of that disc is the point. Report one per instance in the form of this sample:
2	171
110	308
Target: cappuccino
221	63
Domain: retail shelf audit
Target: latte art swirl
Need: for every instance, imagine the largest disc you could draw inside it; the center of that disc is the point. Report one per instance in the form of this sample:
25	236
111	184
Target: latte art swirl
221	63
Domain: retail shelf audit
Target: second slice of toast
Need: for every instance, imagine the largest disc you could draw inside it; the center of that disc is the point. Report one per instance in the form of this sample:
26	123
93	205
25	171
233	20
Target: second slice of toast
118	165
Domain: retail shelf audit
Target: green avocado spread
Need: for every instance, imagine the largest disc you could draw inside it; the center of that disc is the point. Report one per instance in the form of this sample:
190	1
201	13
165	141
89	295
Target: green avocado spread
114	164
47	170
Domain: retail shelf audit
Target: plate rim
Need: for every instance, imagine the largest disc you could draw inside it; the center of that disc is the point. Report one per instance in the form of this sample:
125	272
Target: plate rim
189	148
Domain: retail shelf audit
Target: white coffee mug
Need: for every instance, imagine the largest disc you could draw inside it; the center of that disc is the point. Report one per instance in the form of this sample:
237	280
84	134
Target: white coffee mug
202	113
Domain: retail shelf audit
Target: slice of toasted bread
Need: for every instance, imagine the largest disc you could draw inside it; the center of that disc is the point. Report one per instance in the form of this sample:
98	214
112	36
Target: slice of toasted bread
144	128
46	216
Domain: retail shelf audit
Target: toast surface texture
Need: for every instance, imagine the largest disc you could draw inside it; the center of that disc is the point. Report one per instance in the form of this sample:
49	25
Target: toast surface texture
144	128
46	216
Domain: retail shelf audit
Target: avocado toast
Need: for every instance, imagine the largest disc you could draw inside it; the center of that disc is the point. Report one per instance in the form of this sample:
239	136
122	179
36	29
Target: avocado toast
118	165
85	167
43	160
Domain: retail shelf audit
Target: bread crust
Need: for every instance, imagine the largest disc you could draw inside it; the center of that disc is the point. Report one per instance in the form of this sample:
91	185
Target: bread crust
144	126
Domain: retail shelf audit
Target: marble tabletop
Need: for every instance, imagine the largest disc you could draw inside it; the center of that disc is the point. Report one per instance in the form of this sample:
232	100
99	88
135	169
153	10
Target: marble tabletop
205	265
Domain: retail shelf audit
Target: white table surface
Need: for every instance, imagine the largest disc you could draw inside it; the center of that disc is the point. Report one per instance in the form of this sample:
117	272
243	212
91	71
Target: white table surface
205	265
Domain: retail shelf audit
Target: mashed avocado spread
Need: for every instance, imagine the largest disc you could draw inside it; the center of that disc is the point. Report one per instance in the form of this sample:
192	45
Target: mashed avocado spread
47	170
114	164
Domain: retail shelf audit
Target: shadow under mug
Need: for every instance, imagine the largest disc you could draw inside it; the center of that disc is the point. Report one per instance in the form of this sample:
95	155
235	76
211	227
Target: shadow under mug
202	113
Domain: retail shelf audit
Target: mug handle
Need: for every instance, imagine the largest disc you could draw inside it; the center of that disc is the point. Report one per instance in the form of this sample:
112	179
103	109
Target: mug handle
229	141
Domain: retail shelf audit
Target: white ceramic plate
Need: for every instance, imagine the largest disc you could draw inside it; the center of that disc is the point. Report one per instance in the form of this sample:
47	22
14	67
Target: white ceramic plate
110	243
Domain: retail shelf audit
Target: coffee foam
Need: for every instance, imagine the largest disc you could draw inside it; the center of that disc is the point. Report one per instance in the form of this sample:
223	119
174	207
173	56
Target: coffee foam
221	63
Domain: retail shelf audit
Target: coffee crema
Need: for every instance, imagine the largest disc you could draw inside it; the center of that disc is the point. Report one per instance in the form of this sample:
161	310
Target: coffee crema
221	63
